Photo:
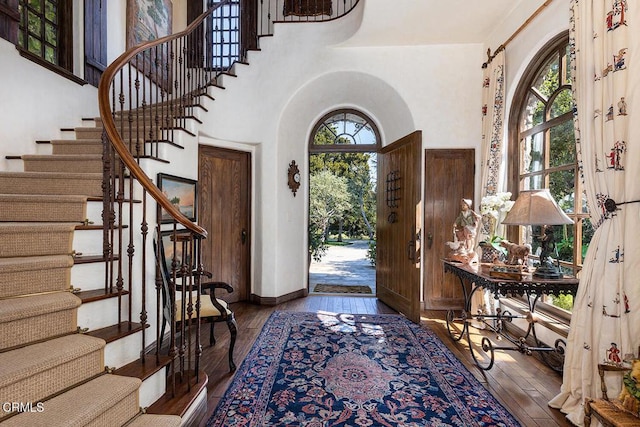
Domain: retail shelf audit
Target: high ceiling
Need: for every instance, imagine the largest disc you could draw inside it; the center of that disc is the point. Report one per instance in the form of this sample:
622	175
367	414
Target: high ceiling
413	22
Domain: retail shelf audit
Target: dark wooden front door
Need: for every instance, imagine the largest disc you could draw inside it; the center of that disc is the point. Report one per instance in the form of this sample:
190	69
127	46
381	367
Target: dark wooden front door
224	178
449	177
398	226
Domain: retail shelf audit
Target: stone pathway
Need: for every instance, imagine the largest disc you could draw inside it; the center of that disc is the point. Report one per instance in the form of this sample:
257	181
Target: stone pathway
344	265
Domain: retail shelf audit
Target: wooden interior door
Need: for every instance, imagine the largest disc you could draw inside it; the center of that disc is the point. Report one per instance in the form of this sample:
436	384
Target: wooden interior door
224	197
449	177
398	226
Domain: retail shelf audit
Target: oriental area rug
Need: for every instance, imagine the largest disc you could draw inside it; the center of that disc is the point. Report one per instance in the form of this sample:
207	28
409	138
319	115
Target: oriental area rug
327	369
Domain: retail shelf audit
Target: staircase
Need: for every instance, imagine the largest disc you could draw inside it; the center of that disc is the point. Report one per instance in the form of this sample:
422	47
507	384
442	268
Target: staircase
52	373
67	357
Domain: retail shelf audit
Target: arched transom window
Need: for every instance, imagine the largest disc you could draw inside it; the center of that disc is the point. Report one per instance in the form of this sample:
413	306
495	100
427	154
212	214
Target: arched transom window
345	130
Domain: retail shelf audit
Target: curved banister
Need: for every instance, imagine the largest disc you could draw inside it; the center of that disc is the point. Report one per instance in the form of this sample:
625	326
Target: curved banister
107	117
179	43
145	95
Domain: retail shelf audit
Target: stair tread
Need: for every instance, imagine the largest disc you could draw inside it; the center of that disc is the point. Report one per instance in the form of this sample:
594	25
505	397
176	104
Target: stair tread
115	332
151	365
185	394
80	405
97	295
24	361
36	305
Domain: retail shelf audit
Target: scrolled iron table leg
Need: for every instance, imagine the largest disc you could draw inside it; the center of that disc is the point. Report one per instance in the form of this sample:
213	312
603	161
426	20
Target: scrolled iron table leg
483	362
457	326
551	356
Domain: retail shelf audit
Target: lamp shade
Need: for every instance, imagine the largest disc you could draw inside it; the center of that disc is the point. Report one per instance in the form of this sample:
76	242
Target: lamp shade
536	207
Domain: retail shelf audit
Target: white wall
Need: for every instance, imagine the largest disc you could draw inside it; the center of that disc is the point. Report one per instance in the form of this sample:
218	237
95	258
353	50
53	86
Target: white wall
553	20
35	102
303	72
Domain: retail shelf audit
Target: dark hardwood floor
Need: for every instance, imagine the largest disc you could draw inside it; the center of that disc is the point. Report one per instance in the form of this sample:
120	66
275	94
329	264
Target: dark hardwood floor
521	383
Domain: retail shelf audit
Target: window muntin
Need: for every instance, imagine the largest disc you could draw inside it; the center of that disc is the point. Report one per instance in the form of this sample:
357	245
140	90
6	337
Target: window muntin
544	141
345	130
39	28
45	31
224	35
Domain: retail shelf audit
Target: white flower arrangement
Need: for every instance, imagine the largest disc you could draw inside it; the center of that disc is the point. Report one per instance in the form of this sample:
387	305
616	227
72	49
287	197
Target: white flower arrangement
494	209
496	205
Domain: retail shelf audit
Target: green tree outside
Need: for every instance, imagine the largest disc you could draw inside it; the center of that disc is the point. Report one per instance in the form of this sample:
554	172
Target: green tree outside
328	199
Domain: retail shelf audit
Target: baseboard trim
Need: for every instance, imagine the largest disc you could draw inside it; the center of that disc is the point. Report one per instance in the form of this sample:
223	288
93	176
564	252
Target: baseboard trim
273	301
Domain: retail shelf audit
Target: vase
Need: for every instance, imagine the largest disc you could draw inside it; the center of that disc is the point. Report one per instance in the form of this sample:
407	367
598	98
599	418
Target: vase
490	254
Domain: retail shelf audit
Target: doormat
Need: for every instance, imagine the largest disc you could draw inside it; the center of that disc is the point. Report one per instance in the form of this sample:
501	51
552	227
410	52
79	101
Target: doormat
342	289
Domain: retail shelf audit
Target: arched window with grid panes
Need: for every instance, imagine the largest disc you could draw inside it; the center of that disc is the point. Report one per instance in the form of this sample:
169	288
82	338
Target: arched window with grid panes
542	153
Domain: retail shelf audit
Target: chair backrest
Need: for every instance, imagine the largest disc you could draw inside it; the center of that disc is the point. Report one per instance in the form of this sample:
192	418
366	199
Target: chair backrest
167	251
163	272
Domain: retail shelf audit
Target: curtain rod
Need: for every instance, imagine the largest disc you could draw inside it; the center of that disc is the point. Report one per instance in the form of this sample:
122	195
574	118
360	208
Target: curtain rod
516	32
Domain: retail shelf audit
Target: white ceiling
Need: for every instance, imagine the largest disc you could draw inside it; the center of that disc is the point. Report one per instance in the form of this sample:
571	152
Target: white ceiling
416	22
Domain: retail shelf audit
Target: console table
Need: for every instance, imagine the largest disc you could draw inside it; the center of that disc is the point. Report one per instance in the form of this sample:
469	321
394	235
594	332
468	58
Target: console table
476	277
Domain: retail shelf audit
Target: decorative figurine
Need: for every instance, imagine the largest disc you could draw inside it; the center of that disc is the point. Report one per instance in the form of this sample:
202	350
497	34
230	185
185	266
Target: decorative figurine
466	224
464	233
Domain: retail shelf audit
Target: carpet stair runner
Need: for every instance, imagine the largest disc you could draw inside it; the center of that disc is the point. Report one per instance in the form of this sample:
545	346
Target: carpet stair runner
77	146
83	163
32	208
42	357
63	183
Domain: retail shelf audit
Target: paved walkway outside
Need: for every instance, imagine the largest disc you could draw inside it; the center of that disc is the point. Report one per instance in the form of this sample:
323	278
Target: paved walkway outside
344	265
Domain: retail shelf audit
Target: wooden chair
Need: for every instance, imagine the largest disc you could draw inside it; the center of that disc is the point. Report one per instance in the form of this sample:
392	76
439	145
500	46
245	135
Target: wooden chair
212	309
610	412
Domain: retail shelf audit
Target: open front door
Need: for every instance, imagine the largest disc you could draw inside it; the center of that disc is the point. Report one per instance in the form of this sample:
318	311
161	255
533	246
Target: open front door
398	226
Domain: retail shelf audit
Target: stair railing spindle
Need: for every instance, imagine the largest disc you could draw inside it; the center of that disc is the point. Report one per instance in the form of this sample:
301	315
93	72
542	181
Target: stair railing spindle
146	94
197	259
187	267
144	229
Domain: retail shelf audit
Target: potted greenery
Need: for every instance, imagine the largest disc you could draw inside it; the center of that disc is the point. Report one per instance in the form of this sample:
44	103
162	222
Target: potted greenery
493	209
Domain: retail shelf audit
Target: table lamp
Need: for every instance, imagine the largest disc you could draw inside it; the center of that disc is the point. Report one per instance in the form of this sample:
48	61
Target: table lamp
537	207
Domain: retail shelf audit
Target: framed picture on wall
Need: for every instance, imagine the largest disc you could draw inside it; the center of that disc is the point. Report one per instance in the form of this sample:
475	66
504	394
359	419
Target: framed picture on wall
182	193
169	248
149	20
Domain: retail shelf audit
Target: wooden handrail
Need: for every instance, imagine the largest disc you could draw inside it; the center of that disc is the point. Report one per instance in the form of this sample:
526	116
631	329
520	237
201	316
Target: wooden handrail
107	116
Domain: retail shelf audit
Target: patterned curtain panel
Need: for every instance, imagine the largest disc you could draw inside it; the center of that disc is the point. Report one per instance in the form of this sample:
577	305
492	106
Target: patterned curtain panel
605	324
492	135
491	166
308	7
